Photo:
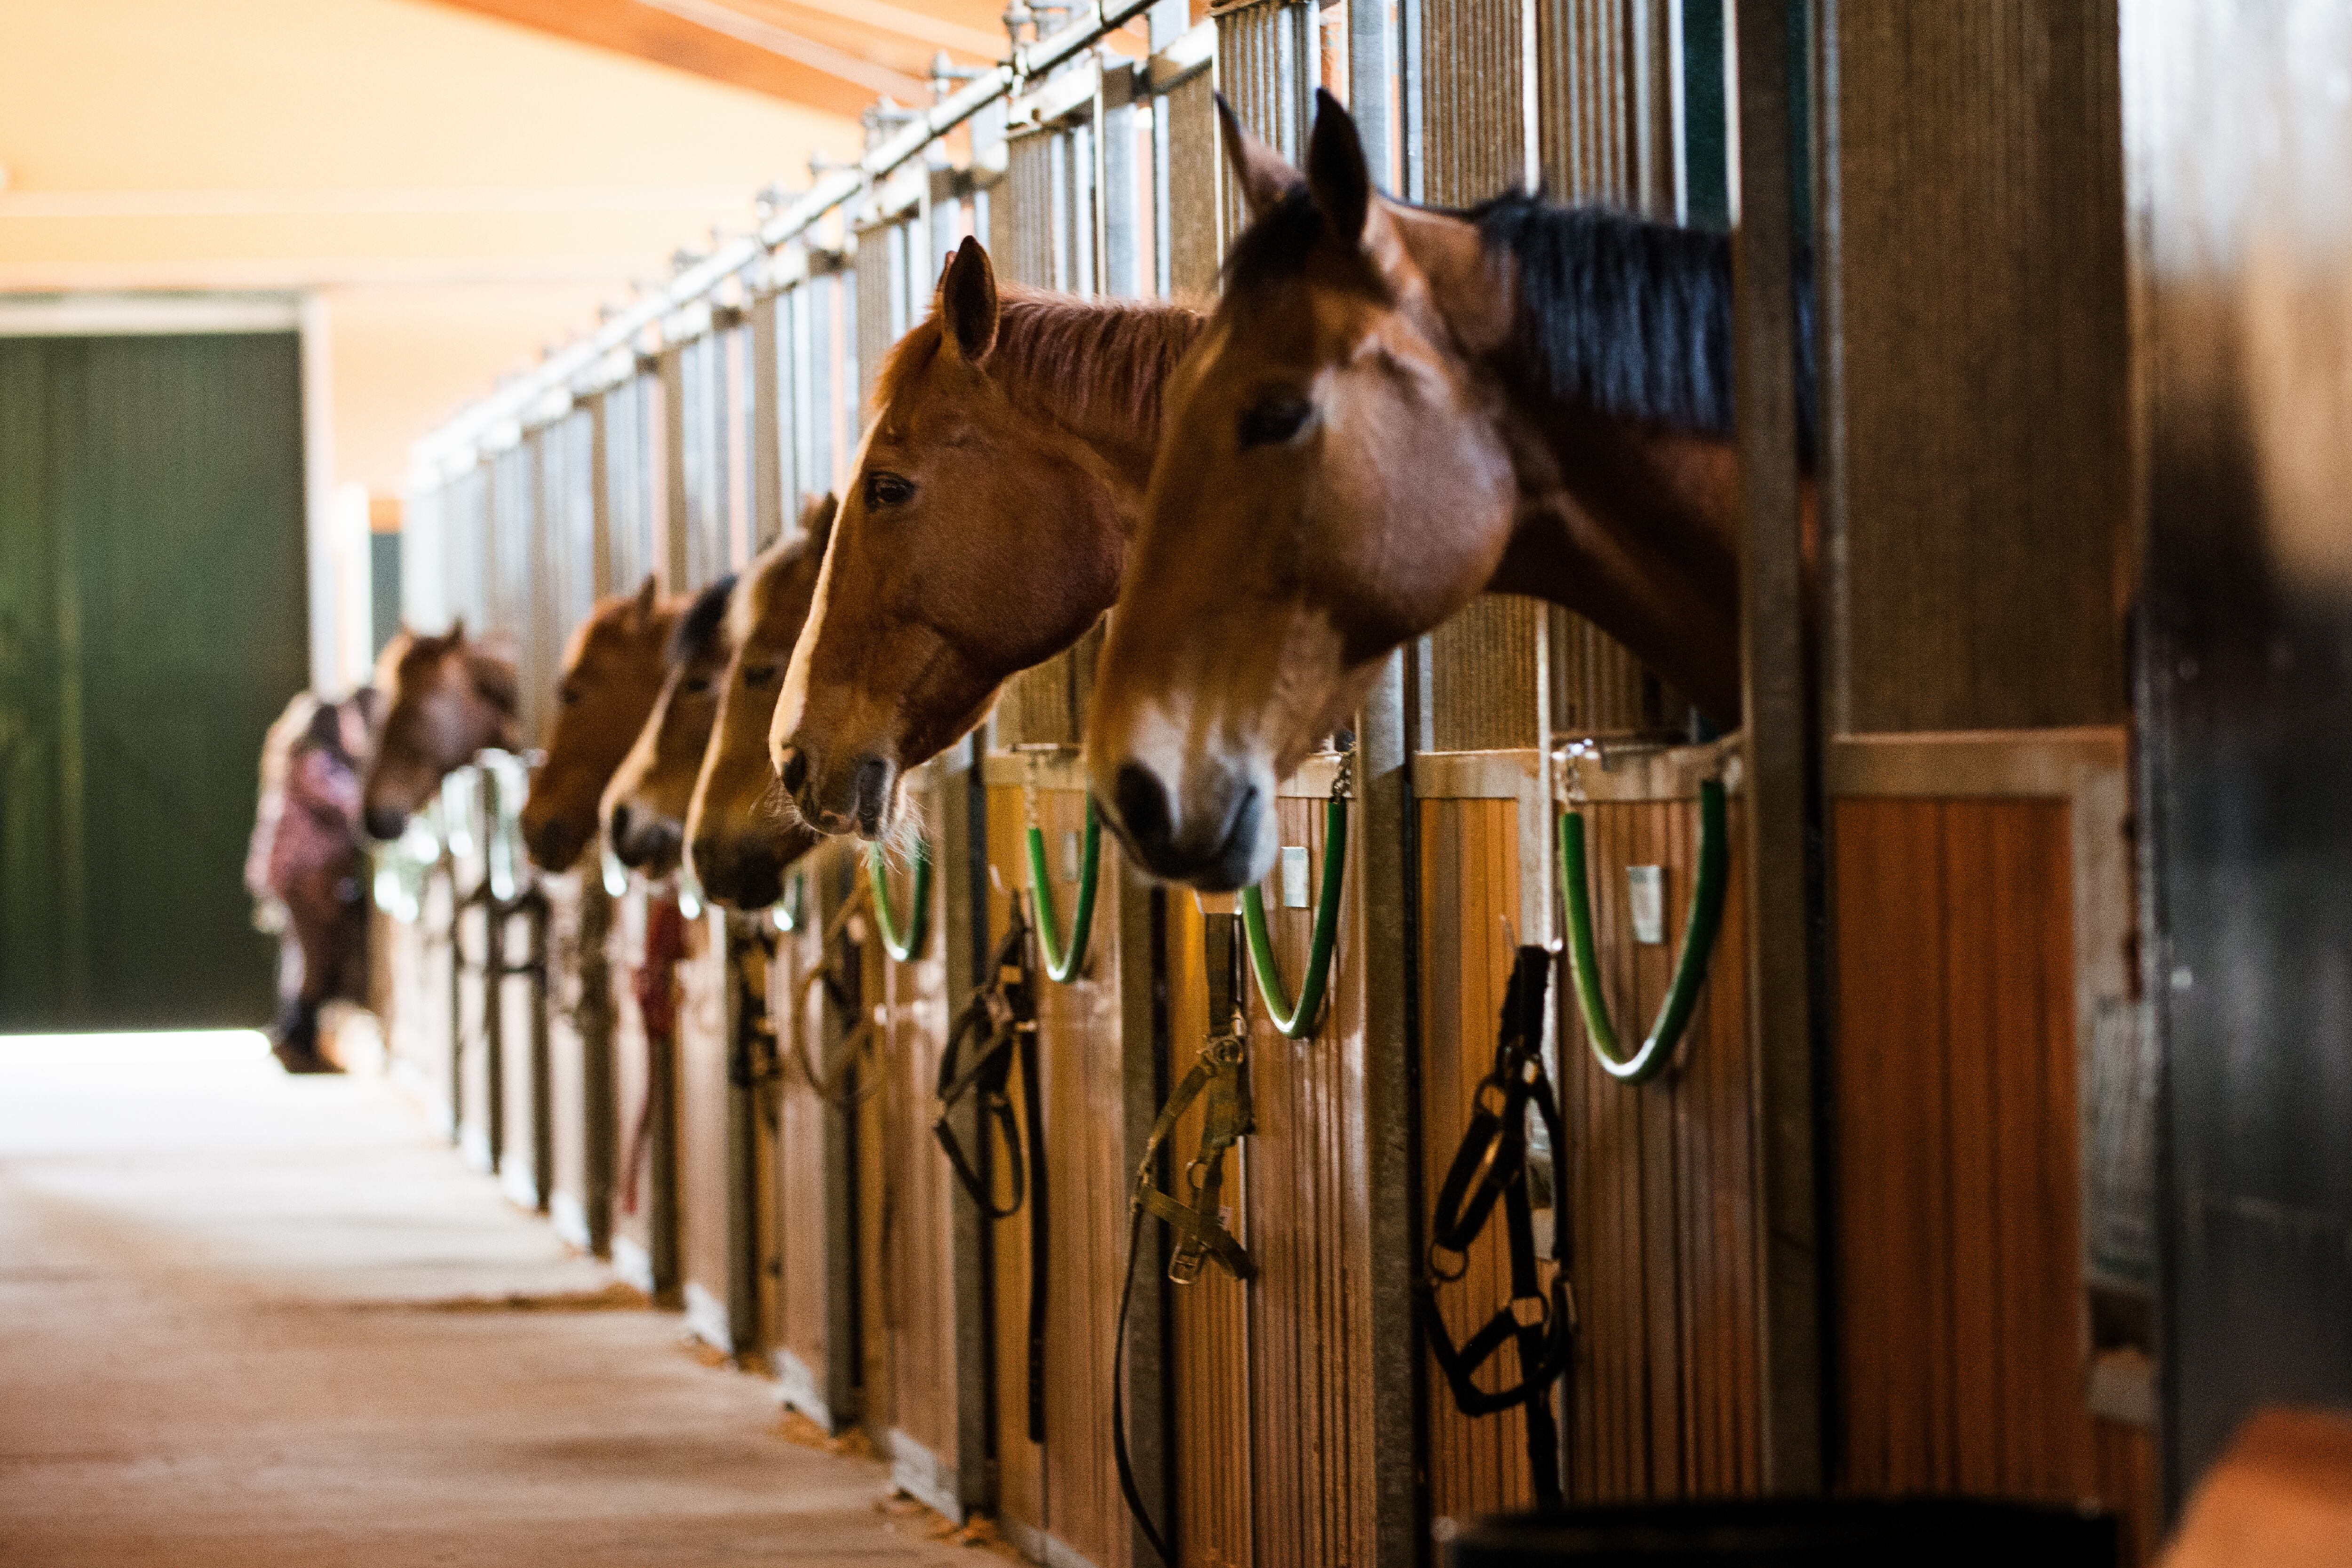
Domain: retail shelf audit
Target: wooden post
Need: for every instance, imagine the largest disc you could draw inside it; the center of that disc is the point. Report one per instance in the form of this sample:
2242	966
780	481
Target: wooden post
963	865
1390	1184
1782	783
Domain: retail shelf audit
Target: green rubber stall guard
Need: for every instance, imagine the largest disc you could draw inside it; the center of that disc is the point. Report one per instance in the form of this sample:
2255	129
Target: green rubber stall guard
1063	966
1700	928
789	909
902	942
1299	1022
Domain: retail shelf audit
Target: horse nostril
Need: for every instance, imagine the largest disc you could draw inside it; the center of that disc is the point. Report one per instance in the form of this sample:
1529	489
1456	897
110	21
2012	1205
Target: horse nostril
620	828
869	792
793	773
385	824
1141	802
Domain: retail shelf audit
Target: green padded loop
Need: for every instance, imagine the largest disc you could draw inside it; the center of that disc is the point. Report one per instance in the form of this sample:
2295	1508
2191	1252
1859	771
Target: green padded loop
1297	1022
1700	928
1065	966
902	944
789	909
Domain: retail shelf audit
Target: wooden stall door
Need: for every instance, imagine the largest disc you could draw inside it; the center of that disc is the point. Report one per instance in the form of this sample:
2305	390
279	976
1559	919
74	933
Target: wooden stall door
914	1304
1066	1491
702	1134
802	1338
1664	1390
1972	931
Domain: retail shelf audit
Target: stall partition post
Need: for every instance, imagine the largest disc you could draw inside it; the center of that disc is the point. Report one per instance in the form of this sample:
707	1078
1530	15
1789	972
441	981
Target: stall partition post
1782	757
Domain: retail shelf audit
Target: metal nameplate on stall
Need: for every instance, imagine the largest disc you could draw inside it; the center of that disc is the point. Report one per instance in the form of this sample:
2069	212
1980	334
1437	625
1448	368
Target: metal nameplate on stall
1645	896
1294	876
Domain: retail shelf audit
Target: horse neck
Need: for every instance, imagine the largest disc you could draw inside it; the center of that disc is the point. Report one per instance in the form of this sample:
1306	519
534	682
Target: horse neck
1636	530
1095	369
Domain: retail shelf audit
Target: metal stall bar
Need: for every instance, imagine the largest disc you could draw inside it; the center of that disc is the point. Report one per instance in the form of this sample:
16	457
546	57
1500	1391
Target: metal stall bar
1783	758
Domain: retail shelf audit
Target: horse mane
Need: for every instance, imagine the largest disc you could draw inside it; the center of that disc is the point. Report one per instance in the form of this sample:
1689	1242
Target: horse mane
1632	318
1628	317
698	630
1099	362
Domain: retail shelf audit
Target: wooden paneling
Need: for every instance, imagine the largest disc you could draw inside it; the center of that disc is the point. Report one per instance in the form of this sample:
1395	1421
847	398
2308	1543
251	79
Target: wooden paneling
1208	1322
802	1332
1662	1179
702	1199
1470	885
632	1059
916	1311
580	1109
1980	351
802	74
1311	1348
1066	1489
1960	1291
415	956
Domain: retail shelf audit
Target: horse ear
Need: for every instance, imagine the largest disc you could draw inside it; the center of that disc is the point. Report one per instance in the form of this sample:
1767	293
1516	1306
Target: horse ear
1336	169
816	519
1264	177
456	635
641	608
967	302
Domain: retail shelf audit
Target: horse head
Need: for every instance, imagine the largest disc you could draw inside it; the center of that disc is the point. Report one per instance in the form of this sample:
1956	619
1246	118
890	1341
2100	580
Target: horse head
983	530
445	698
644	806
1323	493
740	832
612	670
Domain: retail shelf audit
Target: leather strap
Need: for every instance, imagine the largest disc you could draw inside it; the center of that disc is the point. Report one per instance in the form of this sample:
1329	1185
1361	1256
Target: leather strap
1007	1007
1491	1167
1221	1073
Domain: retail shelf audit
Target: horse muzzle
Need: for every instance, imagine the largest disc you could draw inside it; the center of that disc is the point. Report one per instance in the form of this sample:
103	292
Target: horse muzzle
644	842
857	799
1216	838
384	823
745	876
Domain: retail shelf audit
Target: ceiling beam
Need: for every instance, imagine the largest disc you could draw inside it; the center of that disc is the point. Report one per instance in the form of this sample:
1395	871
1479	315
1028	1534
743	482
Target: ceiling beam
706	40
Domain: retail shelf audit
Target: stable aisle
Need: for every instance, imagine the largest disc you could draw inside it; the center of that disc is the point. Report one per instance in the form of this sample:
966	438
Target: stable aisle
248	1319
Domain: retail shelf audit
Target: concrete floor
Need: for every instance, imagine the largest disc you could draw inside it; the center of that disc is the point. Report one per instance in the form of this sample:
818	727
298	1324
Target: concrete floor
248	1319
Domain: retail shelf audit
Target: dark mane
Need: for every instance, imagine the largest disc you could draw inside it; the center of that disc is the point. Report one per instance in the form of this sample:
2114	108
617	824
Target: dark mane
1628	317
698	630
1097	360
1632	318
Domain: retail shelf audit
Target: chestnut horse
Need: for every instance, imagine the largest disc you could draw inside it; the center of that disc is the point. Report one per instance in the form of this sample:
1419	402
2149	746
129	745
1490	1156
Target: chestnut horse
644	809
1394	411
612	670
984	530
740	834
447	697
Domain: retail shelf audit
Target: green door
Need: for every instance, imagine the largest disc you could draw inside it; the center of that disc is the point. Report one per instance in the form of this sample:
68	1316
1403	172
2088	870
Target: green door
152	622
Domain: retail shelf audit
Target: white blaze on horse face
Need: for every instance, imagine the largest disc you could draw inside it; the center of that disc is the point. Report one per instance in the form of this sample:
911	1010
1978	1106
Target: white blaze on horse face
792	703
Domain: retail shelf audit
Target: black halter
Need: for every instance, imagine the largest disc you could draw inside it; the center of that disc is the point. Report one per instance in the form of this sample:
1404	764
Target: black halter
1001	1019
1492	1165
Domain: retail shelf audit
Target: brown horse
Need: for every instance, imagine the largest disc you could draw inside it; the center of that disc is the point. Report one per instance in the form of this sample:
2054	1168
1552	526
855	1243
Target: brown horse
644	809
447	697
613	671
740	833
984	530
1394	411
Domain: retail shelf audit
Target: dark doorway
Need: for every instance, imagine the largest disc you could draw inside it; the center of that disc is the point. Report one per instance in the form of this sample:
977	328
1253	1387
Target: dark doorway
152	622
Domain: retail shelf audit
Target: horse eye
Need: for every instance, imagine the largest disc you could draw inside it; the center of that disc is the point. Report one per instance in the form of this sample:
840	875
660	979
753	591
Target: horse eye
1273	421
759	675
888	489
567	695
698	686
